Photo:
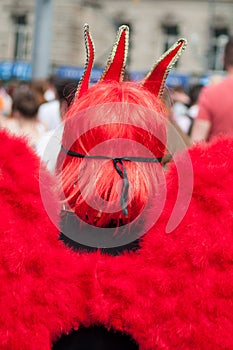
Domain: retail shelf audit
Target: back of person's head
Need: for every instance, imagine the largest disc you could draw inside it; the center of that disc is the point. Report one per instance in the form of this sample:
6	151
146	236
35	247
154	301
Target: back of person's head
39	87
228	54
194	93
25	103
66	89
114	131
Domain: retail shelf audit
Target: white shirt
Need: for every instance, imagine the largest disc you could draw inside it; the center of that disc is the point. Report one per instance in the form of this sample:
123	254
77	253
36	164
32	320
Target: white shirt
49	114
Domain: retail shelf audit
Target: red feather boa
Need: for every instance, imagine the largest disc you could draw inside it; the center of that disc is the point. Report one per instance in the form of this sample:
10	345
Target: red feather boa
175	292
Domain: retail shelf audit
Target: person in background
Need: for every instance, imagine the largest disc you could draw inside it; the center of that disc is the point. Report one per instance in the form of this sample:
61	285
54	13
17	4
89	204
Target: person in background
49	111
49	144
177	139
24	120
215	115
38	87
194	93
5	101
180	101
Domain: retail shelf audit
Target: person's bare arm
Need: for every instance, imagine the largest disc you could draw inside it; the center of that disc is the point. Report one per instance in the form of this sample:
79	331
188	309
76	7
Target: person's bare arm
200	130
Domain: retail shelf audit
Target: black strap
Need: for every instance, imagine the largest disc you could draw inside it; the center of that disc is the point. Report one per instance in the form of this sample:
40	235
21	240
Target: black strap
130	159
122	172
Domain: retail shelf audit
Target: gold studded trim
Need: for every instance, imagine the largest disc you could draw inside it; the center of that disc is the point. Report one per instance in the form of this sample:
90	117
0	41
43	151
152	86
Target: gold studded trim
111	58
170	65
90	49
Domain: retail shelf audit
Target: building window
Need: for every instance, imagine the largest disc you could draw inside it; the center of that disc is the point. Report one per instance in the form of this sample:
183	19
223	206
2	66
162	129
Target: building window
219	38
21	37
171	33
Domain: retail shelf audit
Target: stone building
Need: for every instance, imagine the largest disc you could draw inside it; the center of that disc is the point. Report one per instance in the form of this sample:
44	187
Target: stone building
154	26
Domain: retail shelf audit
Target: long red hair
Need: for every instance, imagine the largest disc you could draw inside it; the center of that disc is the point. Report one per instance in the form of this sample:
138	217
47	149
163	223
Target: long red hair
116	120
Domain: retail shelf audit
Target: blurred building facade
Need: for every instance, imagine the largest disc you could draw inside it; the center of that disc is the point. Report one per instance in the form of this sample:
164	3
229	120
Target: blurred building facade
154	25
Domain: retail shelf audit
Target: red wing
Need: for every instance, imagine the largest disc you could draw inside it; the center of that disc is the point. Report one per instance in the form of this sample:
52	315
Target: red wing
173	293
176	292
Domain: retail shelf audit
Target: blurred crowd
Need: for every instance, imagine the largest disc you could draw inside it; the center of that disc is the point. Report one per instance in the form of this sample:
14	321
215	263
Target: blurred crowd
35	110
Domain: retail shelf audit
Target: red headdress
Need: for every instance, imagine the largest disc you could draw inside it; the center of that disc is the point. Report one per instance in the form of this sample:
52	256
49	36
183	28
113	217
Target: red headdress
115	110
115	68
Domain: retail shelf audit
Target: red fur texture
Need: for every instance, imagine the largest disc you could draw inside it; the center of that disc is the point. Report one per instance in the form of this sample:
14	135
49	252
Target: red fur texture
175	292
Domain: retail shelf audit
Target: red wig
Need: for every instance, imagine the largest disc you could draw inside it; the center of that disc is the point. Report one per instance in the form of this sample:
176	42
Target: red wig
114	119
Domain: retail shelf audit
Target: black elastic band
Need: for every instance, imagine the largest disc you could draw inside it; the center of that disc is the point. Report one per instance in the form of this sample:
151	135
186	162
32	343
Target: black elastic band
132	159
122	172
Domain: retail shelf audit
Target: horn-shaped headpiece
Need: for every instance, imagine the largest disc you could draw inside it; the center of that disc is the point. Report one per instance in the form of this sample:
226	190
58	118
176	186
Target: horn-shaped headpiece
156	78
115	67
90	54
114	71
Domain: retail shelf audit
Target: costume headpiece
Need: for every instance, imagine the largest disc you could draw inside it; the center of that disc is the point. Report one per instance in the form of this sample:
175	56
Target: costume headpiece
114	71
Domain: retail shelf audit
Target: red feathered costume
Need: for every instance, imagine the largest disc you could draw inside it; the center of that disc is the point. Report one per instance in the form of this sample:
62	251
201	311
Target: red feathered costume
173	292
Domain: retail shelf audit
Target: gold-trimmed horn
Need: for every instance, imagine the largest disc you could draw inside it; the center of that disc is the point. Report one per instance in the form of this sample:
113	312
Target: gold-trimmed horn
155	79
116	63
90	55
